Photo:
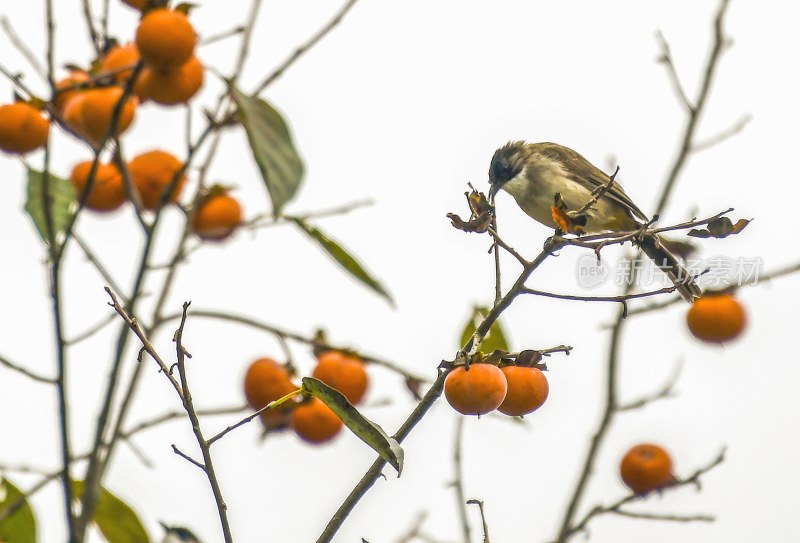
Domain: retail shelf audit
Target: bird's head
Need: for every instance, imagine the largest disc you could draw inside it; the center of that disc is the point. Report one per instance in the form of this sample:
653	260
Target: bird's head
178	534
507	163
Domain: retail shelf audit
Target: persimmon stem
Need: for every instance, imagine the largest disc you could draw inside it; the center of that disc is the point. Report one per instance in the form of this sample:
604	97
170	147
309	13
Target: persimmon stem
269	407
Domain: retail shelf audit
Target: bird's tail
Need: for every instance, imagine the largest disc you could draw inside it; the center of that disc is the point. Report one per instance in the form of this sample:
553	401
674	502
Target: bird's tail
669	264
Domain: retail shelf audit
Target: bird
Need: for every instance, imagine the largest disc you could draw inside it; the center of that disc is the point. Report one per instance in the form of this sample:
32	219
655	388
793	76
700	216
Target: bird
551	183
178	534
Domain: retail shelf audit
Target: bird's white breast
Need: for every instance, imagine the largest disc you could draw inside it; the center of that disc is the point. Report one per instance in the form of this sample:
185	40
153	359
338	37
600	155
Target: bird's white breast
534	189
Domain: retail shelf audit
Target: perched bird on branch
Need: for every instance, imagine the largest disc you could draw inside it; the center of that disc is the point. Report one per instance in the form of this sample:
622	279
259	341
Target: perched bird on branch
559	188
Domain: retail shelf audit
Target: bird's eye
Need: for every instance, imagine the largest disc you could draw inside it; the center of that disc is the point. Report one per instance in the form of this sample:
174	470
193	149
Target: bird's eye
501	171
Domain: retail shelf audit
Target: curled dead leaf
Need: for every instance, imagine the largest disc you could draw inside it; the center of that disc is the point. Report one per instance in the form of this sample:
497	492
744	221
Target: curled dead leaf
720	228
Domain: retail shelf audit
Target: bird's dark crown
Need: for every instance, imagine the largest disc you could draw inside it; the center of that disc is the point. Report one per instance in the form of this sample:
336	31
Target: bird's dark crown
507	162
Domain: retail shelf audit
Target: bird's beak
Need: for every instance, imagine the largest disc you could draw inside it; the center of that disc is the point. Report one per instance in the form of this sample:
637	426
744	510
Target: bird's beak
492	192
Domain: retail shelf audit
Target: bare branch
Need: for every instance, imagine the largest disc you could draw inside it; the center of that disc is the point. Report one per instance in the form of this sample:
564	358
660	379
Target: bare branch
270	406
95	260
25	371
693	113
415	532
249	24
458	483
498	283
174	415
509	249
671	518
22	47
433	393
479	503
622	298
235	31
278	332
664	392
762	279
94	37
300	51
602	429
133	324
187	457
568	526
723	135
268	220
693	479
92	330
669	64
655	306
598	193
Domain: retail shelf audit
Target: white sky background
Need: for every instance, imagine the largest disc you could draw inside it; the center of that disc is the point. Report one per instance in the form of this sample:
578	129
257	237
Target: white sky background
404	103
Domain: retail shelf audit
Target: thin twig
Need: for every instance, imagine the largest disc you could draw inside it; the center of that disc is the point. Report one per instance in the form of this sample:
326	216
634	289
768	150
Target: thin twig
205	446
270	406
235	31
22	47
250	23
300	51
139	453
104	19
552	244
268	219
133	324
93	35
99	461
498	241
762	280
609	409
780	272
95	260
723	135
374	472
666	391
479	503
458	483
620	298
55	254
185	456
666	59
278	332
655	306
414	533
125	436
602	240
498	284
92	330
611	405
666	517
175	415
597	194
433	393
693	479
23	468
25	371
10	508
693	112
130	191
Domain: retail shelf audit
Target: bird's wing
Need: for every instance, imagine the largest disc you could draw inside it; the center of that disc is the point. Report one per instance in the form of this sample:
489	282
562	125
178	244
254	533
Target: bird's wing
588	175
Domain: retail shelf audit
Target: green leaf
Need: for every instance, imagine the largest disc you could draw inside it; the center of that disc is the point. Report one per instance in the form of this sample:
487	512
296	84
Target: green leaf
63	203
19	526
495	339
370	433
114	518
272	146
344	258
